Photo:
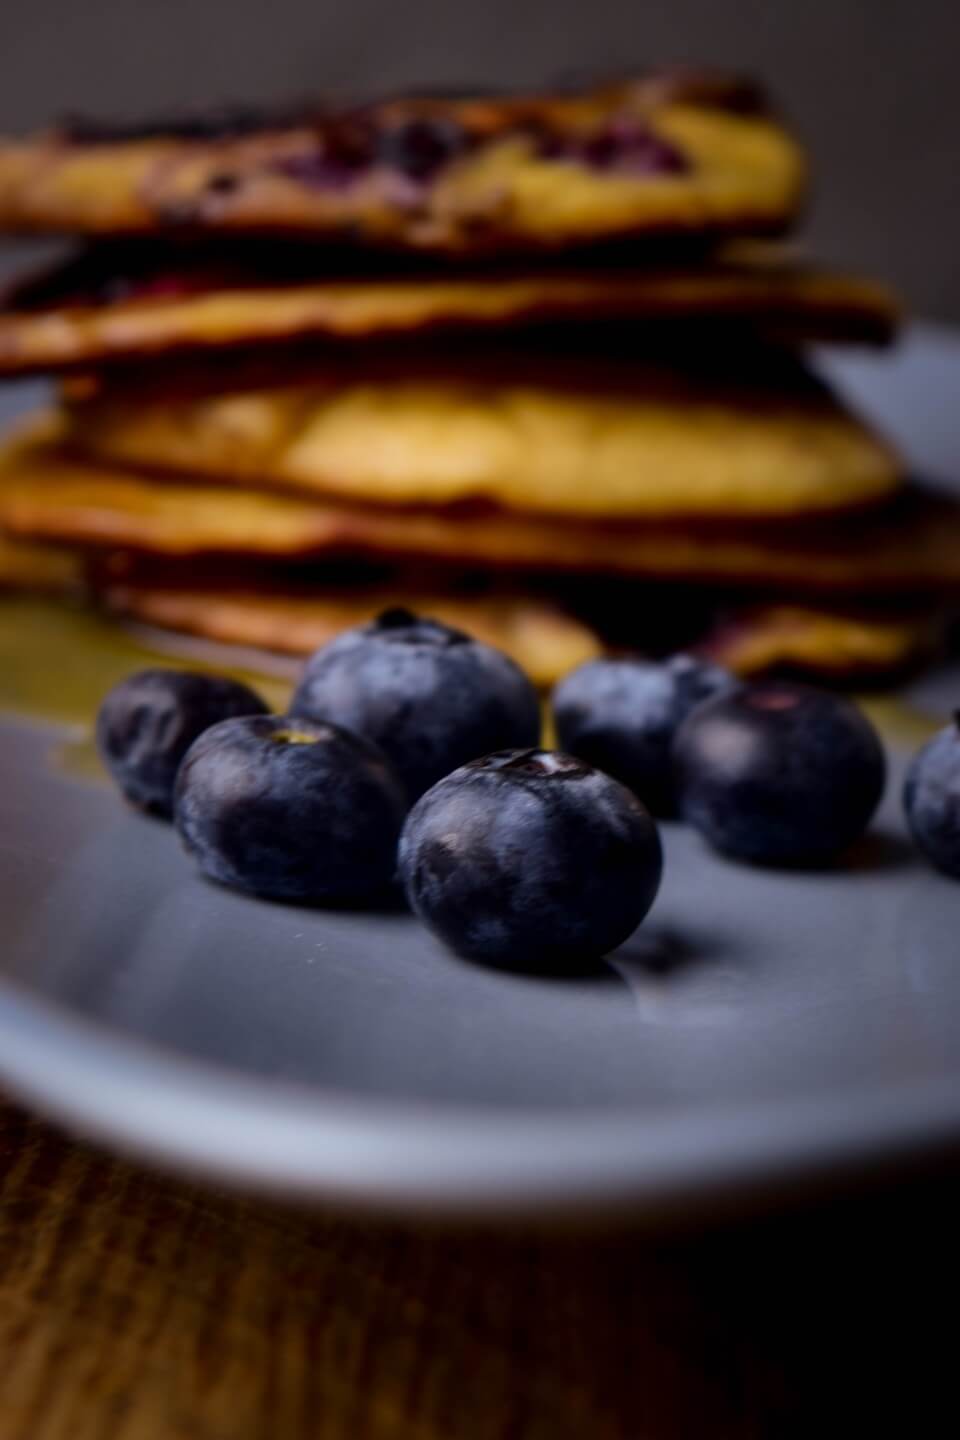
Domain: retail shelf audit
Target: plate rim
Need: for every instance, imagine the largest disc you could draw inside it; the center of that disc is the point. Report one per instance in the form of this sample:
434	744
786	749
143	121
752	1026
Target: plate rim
298	1142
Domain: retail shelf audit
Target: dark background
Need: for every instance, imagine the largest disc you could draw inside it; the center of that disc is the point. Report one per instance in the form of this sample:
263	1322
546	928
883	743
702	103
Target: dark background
873	86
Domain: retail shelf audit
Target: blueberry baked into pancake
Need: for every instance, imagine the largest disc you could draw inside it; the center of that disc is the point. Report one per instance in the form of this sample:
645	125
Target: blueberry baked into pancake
665	153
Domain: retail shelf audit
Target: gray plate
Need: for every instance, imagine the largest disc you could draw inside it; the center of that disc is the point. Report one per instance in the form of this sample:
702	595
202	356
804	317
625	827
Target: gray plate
757	1027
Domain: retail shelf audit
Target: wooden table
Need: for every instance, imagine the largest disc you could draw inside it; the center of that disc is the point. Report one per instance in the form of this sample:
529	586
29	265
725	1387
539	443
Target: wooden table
138	1308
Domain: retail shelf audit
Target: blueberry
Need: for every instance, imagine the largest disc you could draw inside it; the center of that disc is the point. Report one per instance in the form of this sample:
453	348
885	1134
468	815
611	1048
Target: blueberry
621	715
624	145
628	145
340	155
421	148
429	695
779	774
530	857
290	810
148	722
931	798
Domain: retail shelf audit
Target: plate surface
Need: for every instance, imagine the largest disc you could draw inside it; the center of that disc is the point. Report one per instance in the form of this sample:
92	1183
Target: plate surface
757	1026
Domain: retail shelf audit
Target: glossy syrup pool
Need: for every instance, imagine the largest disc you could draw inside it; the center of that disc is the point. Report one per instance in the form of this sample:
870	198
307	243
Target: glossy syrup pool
57	661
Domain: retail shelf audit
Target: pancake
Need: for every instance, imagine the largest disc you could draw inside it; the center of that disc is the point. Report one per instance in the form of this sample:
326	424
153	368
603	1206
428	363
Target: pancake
675	153
829	643
715	434
547	642
544	640
39	567
911	545
112	304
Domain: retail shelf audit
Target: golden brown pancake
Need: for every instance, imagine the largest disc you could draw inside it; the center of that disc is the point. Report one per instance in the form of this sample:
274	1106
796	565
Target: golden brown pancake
723	434
107	307
675	153
241	602
543	639
546	641
911	545
820	641
39	567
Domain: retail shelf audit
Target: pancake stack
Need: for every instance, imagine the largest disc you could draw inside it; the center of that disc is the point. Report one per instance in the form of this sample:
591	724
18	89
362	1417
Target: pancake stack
533	364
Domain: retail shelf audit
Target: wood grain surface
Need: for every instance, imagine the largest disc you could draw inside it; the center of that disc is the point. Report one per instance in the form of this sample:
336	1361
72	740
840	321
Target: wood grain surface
138	1308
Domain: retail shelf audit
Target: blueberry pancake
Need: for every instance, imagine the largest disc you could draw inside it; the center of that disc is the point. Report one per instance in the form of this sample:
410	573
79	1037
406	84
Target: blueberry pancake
911	545
547	642
713	433
39	567
677	153
544	640
113	305
837	643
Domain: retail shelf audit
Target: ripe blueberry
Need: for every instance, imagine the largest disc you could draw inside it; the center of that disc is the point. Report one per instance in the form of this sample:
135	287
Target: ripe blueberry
530	857
931	798
290	810
621	715
779	774
430	696
148	722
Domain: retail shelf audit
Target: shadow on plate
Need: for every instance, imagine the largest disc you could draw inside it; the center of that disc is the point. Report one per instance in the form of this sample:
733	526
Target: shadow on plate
879	850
